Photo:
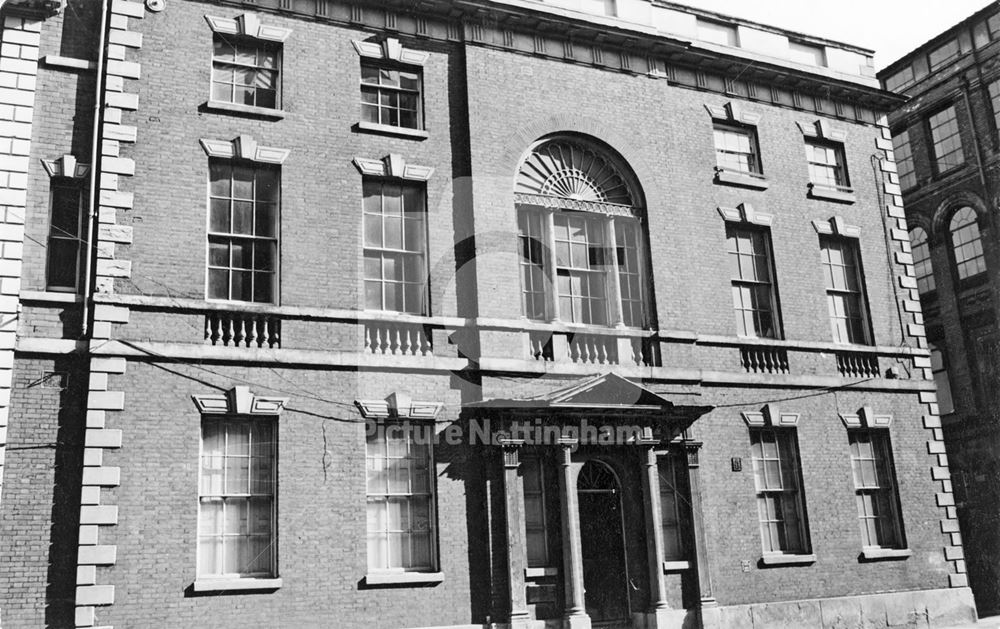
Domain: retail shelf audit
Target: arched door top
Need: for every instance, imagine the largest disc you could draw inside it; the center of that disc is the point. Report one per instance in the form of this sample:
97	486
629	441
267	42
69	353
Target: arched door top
597	476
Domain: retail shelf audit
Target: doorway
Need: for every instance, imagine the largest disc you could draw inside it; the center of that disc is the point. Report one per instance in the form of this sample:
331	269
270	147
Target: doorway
605	576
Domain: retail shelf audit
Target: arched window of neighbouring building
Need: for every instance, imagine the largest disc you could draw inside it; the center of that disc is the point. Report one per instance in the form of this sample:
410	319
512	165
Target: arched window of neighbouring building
922	260
966	243
583	251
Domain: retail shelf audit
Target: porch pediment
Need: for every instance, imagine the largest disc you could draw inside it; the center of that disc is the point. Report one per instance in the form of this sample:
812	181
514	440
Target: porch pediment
608	393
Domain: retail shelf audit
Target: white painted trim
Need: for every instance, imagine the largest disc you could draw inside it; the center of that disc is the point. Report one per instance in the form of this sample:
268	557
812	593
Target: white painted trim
226	585
872	553
248	25
244	147
733	111
781	559
392	50
239	401
386	129
52	297
535	573
676	566
60	166
837	225
398	405
58	61
745	213
393	578
393	165
264	112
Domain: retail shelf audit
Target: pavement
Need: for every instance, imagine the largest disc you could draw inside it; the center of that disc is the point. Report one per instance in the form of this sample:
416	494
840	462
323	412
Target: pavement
987	622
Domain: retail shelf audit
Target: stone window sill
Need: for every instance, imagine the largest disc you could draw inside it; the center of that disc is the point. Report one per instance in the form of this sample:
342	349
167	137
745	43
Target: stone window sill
745	180
676	566
882	554
787	560
374	127
263	112
827	193
534	573
402	578
235	585
54	297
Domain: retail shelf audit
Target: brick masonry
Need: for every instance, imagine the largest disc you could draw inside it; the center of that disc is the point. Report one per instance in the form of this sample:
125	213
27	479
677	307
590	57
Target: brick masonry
136	470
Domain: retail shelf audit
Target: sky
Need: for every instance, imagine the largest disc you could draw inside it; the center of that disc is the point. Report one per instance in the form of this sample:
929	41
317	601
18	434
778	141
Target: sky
891	28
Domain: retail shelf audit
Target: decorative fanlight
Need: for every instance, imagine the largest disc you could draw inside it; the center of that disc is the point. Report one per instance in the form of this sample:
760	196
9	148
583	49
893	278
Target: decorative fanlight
596	477
573	170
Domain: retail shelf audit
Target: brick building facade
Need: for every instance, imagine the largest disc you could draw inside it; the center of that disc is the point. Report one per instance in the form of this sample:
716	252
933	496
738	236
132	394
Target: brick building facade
947	153
488	313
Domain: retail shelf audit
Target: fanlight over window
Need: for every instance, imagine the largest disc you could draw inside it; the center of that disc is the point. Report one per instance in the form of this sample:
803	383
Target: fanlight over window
583	254
573	170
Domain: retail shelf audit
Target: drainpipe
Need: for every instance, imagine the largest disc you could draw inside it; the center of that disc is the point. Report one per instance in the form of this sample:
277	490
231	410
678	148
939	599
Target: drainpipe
95	155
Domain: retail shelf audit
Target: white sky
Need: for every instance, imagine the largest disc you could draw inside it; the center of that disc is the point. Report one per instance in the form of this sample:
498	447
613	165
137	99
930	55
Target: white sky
891	28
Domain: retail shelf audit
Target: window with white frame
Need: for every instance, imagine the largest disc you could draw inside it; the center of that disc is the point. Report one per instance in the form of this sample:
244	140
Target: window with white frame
581	246
236	508
674	505
844	289
391	95
755	296
875	489
827	164
967	243
922	268
904	159
400	488
65	236
243	231
245	71
736	148
939	369
777	478
946	140
395	245
536	531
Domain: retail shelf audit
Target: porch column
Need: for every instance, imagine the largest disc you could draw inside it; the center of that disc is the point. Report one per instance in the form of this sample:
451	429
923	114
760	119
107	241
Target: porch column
576	609
698	525
654	533
514	523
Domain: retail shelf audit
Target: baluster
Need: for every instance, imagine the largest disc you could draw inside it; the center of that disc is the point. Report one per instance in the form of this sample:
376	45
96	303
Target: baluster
276	333
252	336
407	341
425	345
227	330
216	331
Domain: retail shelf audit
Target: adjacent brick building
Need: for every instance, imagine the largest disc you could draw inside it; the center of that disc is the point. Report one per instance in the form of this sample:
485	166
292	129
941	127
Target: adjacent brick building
947	153
458	314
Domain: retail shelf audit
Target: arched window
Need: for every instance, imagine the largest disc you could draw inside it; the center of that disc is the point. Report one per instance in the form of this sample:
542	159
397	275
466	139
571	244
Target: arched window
922	260
966	243
582	248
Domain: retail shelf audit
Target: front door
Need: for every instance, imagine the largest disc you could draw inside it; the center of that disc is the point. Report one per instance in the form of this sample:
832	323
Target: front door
605	577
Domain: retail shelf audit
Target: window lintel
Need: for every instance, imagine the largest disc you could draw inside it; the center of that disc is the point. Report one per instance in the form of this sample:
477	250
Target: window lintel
65	166
733	112
393	165
239	401
398	405
821	129
392	50
248	25
244	147
745	213
866	417
770	416
838	226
